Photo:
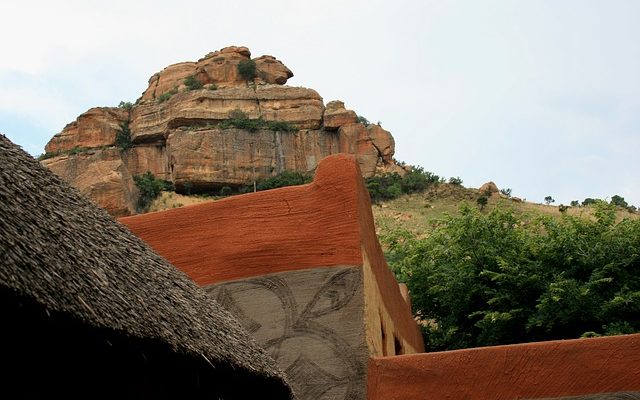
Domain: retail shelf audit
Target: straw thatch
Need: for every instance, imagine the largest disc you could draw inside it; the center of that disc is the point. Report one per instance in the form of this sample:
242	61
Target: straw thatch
74	280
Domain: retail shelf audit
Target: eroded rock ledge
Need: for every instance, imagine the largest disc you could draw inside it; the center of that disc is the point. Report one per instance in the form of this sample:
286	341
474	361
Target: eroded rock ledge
175	132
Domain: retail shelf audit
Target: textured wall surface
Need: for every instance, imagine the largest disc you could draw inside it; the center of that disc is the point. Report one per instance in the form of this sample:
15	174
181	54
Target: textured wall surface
555	369
602	396
311	322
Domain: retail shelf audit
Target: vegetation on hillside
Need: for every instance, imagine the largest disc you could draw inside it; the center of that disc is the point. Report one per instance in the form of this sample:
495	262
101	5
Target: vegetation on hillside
75	150
494	278
149	188
286	178
239	120
392	185
192	83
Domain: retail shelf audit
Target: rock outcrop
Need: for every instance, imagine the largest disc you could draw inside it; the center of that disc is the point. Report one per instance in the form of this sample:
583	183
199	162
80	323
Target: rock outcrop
179	131
489	188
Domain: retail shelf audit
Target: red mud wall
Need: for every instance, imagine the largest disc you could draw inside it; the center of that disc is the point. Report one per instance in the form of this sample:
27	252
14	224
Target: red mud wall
523	371
322	224
255	234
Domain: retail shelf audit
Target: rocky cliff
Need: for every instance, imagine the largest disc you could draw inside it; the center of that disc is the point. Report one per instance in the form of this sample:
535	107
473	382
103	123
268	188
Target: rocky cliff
179	130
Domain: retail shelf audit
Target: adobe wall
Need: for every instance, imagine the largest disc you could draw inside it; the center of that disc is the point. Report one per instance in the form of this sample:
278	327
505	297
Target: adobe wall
327	223
556	369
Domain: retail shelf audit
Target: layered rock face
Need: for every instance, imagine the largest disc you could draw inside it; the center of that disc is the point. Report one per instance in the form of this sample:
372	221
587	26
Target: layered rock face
177	131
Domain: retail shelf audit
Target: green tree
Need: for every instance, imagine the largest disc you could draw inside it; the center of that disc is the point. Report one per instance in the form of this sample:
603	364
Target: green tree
486	279
548	200
149	188
192	83
455	181
619	201
482	202
575	203
506	192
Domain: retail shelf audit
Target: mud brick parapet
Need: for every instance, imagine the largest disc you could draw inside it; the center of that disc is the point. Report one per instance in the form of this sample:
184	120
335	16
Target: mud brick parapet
310	252
585	369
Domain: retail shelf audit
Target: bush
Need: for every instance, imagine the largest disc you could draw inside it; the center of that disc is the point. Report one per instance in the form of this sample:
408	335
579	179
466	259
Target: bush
239	120
123	137
247	70
418	180
392	185
455	181
192	83
482	202
127	105
619	201
575	203
226	191
74	151
589	201
212	86
149	188
47	155
384	187
506	192
286	178
362	120
77	150
166	95
488	279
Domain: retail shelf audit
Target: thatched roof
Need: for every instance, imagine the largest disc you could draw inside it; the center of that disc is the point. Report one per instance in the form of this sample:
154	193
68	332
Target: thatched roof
64	254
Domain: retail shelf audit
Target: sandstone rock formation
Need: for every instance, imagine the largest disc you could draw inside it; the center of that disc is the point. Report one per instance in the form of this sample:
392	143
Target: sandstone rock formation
175	132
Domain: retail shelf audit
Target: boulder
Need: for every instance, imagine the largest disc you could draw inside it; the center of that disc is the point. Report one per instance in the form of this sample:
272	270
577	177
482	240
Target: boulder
372	145
171	78
271	70
101	176
489	187
336	115
219	68
95	128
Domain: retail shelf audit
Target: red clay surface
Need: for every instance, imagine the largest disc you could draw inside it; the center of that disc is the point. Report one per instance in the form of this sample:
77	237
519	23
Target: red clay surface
325	223
523	371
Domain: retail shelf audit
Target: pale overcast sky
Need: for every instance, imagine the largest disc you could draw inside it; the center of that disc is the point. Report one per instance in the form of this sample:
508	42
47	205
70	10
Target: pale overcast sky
540	96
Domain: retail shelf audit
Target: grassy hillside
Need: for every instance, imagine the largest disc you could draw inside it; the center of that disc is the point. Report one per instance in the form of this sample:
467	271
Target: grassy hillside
415	212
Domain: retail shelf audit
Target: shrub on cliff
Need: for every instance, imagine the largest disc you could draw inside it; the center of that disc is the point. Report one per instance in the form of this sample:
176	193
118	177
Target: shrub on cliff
192	83
127	105
247	69
362	120
149	188
123	137
166	95
239	120
487	279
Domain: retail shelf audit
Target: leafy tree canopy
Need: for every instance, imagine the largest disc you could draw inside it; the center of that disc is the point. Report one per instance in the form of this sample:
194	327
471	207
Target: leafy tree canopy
487	279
